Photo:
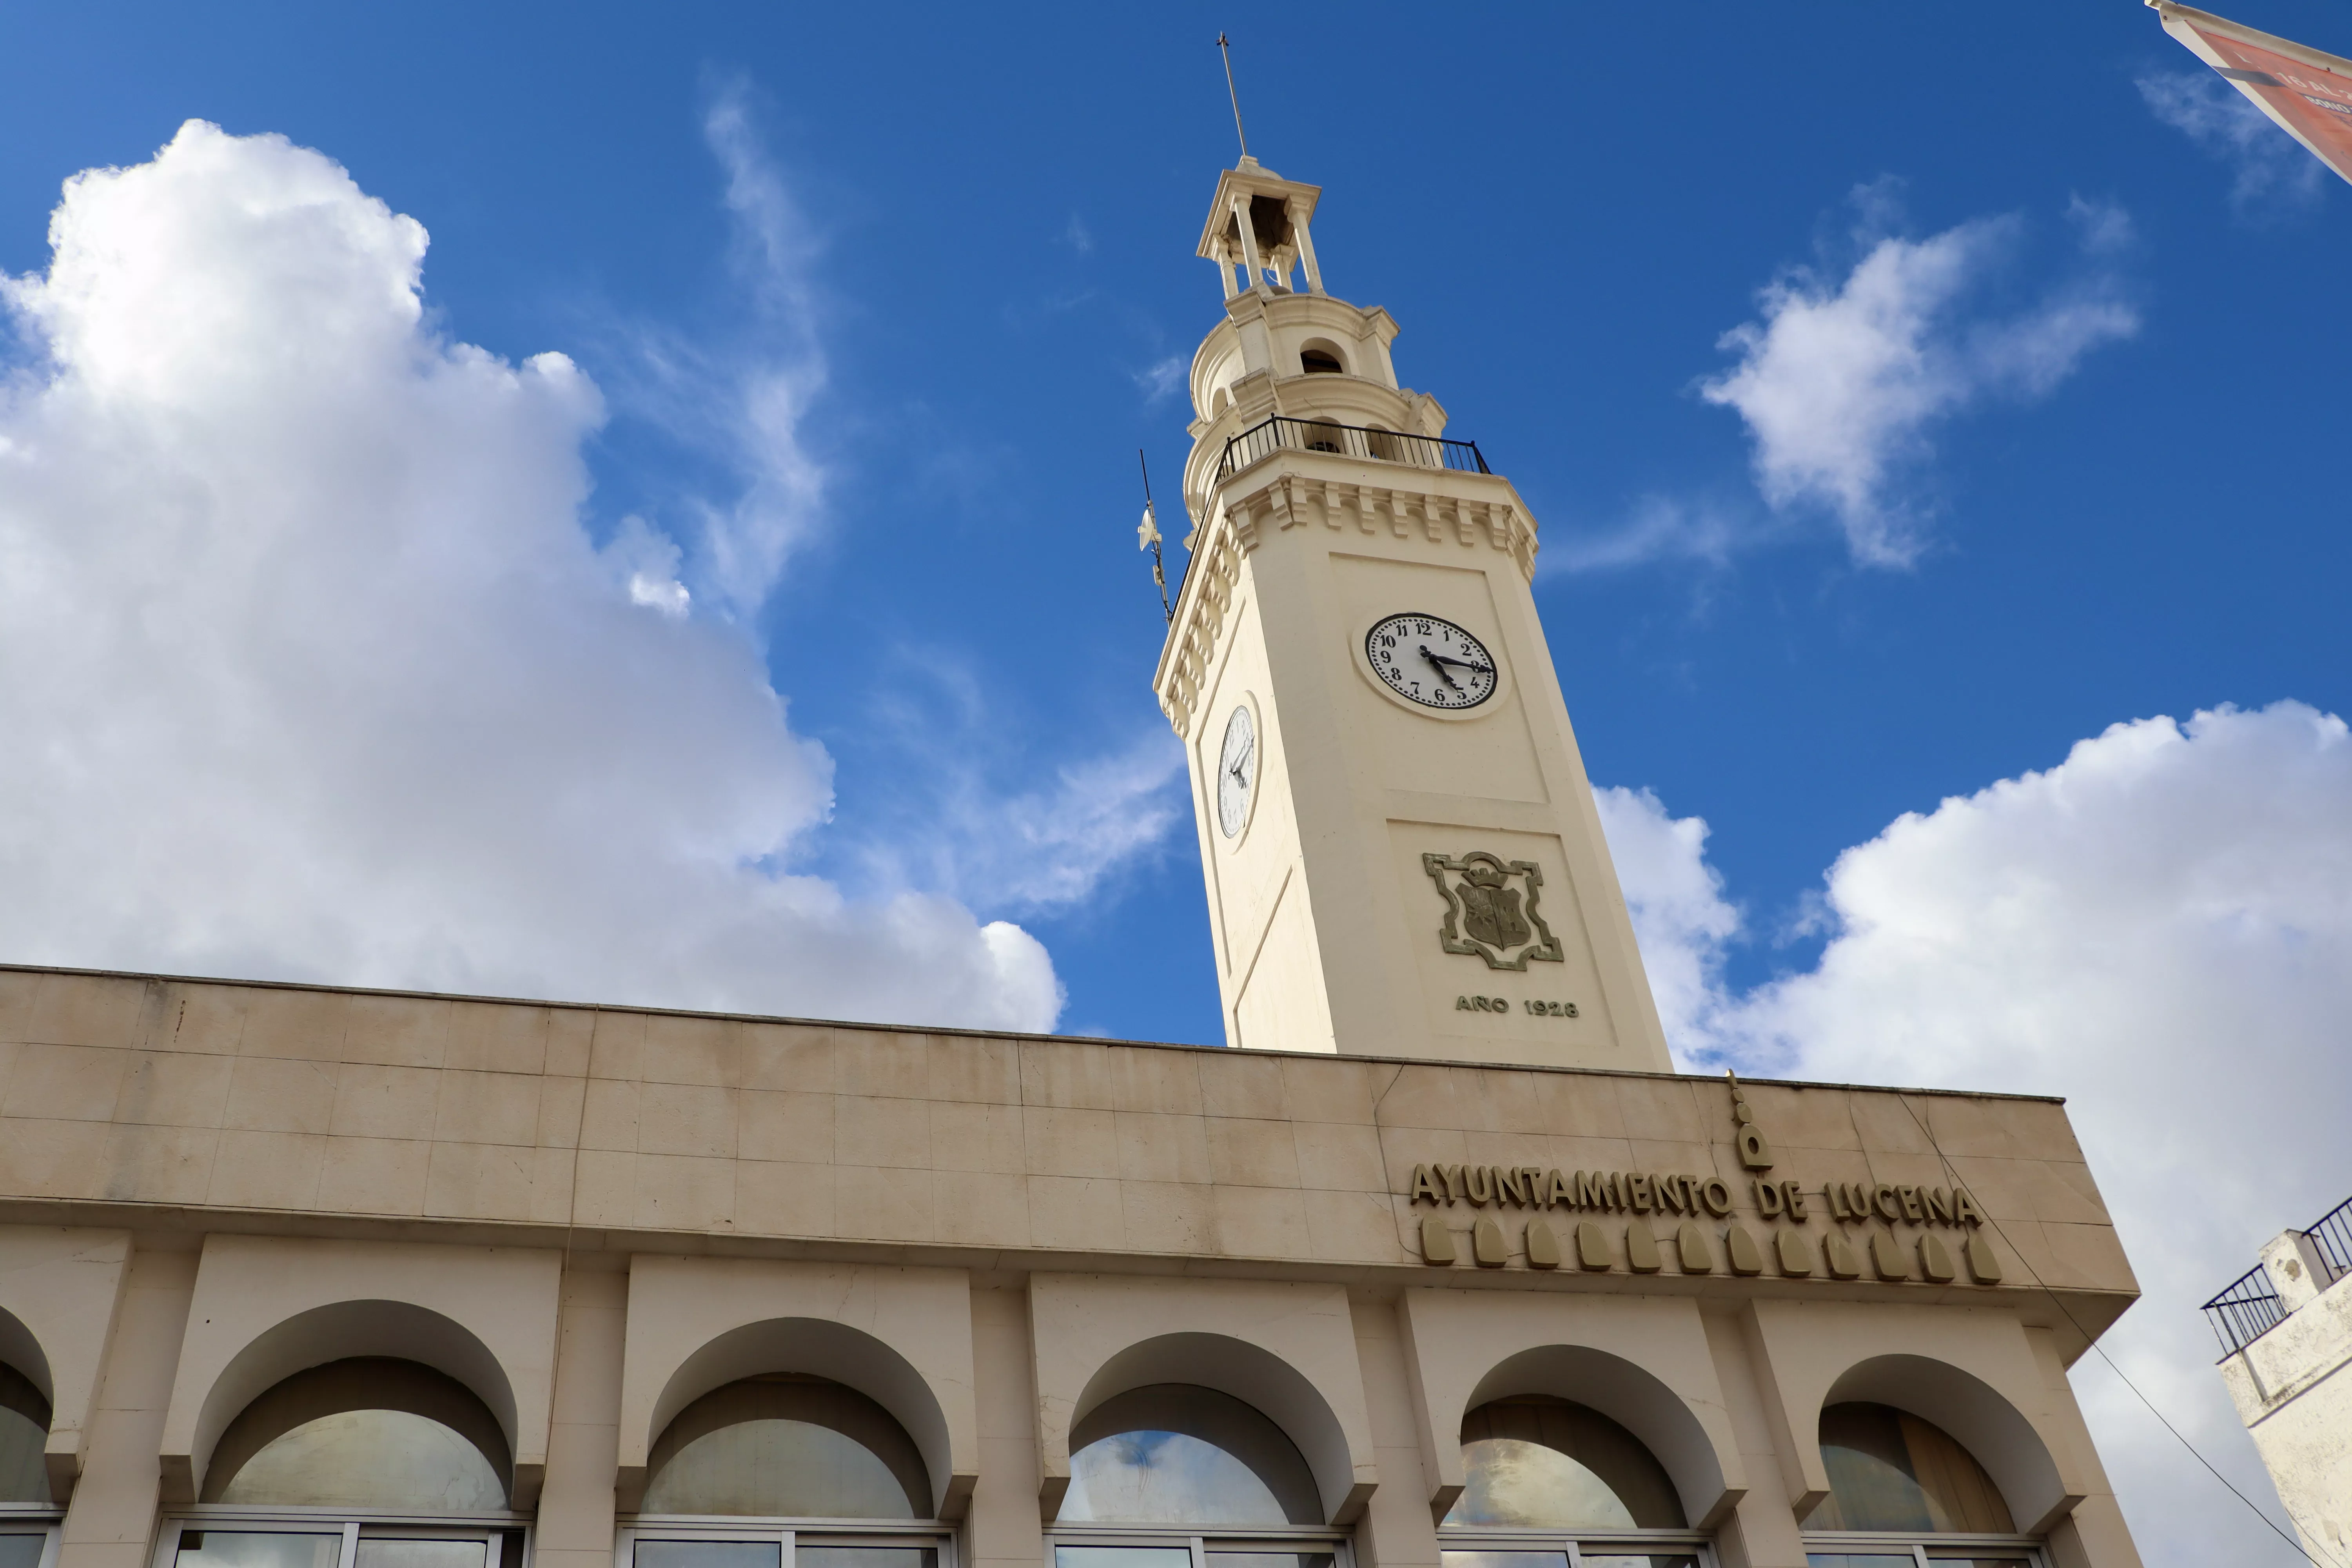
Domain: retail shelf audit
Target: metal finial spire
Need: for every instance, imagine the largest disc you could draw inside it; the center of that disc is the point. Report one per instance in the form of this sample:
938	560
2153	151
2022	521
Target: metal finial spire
1227	50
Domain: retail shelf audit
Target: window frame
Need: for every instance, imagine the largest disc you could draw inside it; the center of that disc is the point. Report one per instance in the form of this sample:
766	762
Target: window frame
785	1529
27	1518
1202	1540
353	1523
1927	1548
1574	1544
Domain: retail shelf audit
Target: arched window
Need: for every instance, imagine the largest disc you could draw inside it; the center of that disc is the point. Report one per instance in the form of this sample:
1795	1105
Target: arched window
787	1446
1175	1454
783	1447
1318	356
1536	1462
367	1436
24	1470
24	1436
1890	1470
367	1432
1173	1460
1892	1473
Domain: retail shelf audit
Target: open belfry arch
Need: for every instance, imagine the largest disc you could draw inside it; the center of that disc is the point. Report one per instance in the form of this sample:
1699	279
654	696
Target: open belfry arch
1448	1268
1417	867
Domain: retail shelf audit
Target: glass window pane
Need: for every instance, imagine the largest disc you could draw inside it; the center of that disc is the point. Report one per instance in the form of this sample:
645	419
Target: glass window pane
385	1552
370	1458
1122	1557
709	1553
1271	1560
22	1550
1503	1559
1979	1560
256	1549
1173	1453
1890	1470
24	1472
1860	1560
24	1434
1614	1559
807	1556
790	1445
1533	1461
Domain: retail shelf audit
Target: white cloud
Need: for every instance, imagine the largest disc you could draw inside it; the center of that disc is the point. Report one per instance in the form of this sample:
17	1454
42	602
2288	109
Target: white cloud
309	667
1052	847
1017	847
741	404
1164	379
1657	528
2270	170
1842	380
1681	919
2161	928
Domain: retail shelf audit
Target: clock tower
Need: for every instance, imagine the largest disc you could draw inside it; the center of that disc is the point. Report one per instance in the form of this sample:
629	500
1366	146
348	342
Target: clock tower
1401	846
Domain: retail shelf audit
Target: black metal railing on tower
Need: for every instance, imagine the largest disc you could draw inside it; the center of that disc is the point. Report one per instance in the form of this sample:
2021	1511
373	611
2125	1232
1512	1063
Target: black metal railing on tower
2244	1313
1283	433
2251	1307
2331	1238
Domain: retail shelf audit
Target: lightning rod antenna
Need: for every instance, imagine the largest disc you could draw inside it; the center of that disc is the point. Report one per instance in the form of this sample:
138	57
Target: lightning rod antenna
1226	50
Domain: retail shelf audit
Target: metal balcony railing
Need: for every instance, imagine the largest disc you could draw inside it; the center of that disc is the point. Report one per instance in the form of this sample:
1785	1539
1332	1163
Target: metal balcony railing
2244	1313
1281	432
2251	1307
2332	1236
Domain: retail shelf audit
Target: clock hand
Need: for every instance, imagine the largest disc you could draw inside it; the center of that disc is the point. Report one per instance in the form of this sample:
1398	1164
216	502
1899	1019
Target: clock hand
1439	665
1460	663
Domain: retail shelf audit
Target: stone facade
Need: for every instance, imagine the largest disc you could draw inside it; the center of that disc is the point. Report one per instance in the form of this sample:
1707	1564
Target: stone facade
209	1186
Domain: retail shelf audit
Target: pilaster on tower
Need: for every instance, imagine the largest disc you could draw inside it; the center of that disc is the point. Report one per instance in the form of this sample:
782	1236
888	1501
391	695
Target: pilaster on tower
1401	846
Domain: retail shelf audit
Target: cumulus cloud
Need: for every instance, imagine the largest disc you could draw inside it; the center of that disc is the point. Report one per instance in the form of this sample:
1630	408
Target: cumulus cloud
1842	380
309	667
2158	927
2270	171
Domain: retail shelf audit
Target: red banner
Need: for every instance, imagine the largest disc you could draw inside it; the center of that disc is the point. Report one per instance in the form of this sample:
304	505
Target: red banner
2308	93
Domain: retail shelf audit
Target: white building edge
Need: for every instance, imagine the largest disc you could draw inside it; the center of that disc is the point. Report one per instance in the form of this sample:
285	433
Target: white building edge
1443	1267
2286	1340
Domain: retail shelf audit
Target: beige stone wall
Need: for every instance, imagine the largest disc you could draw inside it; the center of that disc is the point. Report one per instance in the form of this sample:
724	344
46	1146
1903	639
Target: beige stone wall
124	1098
585	1213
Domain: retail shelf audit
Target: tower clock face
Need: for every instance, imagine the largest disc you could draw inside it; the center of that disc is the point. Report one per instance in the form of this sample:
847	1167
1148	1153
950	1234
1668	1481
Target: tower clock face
1431	661
1237	770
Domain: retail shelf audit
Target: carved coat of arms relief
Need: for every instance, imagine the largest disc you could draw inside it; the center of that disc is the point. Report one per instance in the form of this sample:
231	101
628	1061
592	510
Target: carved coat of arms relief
1491	909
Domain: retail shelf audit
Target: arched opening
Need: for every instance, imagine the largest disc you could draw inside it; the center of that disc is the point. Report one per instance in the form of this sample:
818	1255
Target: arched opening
778	1353
1584	1447
1536	1462
787	1444
1322	436
375	1331
366	1432
1893	1471
1320	356
1174	1453
23	1439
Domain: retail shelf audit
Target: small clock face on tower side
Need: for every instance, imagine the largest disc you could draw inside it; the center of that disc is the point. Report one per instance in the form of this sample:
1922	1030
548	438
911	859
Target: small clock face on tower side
1237	772
1431	661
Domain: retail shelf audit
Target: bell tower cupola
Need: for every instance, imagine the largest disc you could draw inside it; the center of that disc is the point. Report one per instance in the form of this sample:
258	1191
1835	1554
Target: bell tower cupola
1401	846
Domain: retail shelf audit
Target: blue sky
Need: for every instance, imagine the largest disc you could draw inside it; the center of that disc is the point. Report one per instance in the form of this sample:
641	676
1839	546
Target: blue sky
2029	425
